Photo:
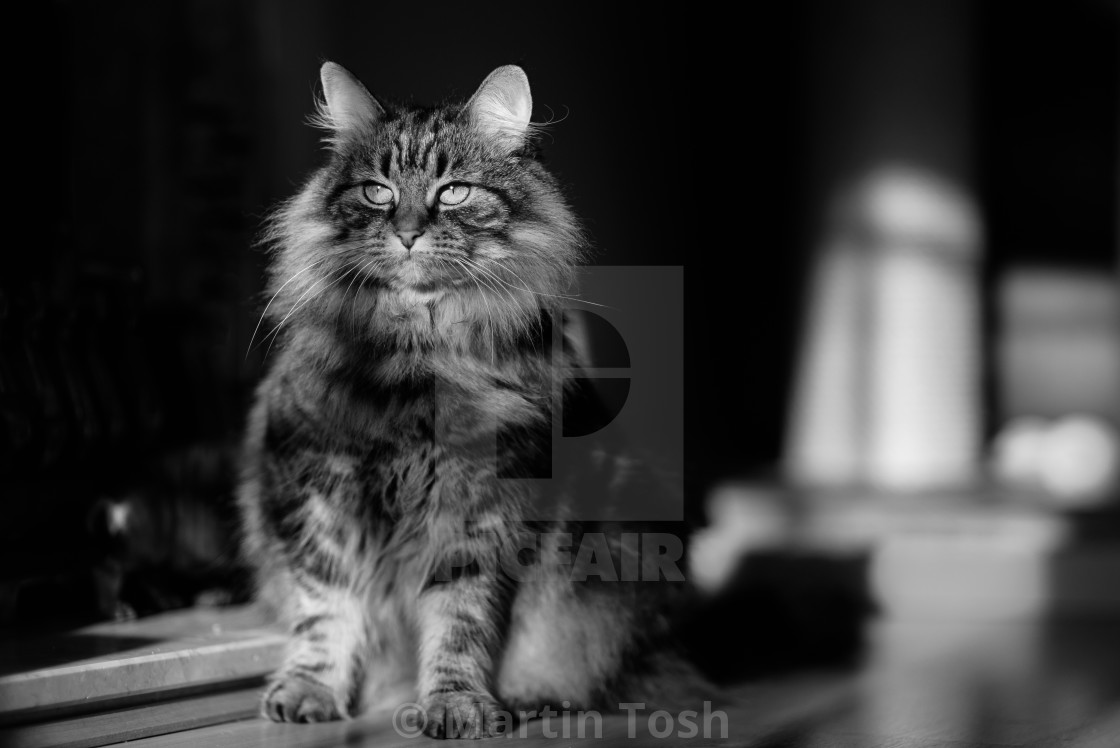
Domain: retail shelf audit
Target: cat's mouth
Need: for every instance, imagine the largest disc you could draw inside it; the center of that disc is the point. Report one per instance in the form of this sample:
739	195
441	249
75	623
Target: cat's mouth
420	271
423	273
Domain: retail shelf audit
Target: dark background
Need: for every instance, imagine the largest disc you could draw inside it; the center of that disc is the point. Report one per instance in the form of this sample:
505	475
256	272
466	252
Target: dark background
158	134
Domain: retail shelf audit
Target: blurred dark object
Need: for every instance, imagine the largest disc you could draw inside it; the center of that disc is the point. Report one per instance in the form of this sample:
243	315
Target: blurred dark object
171	542
782	611
168	541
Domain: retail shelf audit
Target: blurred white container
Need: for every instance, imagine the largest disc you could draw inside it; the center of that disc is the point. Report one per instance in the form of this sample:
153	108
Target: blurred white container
889	385
924	414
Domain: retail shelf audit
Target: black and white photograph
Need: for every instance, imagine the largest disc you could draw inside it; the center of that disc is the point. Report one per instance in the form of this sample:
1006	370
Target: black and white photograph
388	374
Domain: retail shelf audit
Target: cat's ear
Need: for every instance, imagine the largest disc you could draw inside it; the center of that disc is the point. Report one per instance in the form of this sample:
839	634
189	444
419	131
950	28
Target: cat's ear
502	105
347	105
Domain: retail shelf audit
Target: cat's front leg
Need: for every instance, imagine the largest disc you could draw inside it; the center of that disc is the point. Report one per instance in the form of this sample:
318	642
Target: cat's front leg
462	620
323	671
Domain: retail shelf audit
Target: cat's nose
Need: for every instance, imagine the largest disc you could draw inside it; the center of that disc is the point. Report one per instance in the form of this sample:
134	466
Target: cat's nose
408	237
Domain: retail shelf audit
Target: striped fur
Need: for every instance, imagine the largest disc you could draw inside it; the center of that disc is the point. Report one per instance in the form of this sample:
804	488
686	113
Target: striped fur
406	388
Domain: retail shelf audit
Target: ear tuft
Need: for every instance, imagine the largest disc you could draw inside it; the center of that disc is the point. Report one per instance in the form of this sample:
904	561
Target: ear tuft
502	105
347	105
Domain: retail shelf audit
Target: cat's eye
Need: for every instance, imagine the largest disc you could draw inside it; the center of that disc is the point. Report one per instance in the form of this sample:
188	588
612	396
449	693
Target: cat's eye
377	194
453	194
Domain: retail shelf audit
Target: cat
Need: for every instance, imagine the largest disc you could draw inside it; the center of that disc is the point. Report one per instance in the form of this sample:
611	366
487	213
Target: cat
417	284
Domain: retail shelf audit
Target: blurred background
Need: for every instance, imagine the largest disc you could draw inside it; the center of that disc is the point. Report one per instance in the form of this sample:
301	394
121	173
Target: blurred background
899	225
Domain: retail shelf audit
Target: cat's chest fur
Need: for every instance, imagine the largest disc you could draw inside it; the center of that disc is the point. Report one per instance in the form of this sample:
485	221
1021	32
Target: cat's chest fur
393	430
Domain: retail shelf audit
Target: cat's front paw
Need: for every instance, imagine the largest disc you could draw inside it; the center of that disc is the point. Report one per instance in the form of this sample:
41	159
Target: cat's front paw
290	699
465	714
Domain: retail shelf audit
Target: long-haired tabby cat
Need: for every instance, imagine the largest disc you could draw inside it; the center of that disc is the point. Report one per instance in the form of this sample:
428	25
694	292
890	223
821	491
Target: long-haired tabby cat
415	282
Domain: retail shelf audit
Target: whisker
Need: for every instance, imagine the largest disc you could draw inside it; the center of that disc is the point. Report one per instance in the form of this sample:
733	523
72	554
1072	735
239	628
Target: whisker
295	306
257	329
507	288
275	334
346	294
529	290
489	314
502	292
516	308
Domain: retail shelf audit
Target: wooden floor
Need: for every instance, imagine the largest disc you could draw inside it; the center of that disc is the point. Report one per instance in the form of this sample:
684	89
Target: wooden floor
921	685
